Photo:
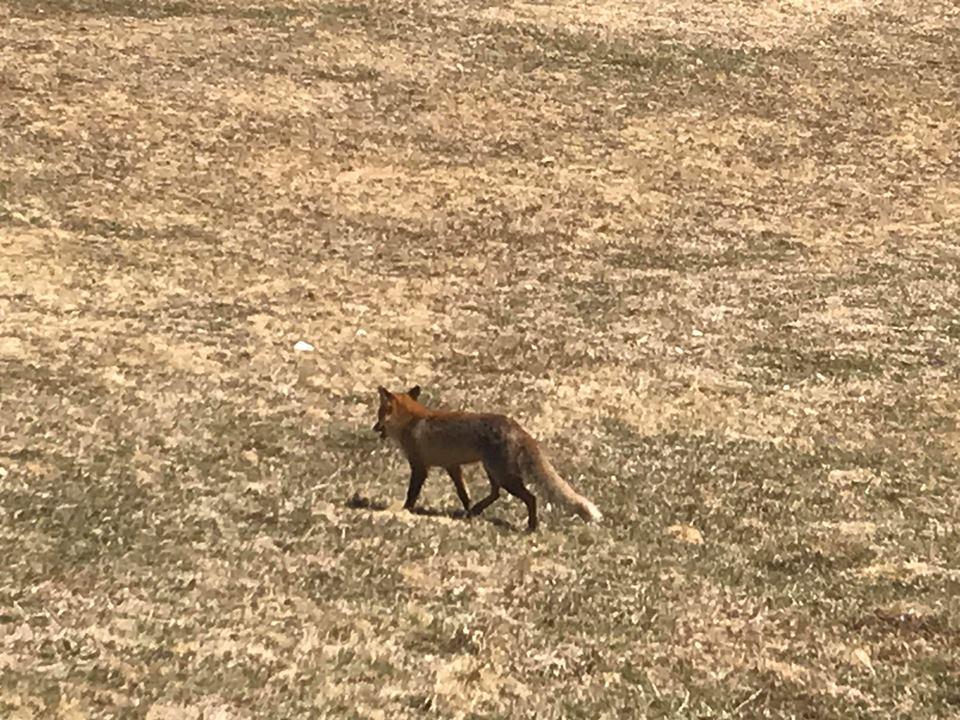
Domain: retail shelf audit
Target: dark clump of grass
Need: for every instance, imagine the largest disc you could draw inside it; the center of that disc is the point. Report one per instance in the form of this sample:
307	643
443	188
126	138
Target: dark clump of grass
792	365
530	46
152	10
162	9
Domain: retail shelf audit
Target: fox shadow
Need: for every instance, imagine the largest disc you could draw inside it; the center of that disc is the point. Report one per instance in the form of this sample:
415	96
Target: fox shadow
358	502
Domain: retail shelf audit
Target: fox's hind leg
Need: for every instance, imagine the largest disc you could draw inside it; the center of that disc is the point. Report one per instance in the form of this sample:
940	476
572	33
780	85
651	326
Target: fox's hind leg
487	501
515	487
456	474
495	474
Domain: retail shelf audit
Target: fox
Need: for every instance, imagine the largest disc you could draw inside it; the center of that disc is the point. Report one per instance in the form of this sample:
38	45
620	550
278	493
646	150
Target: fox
510	456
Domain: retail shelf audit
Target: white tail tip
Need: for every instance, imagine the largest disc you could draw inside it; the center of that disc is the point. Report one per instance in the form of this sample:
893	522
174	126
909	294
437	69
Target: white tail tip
592	511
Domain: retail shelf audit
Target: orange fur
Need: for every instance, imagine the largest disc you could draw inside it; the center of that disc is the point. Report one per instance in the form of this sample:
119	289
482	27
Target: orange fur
510	456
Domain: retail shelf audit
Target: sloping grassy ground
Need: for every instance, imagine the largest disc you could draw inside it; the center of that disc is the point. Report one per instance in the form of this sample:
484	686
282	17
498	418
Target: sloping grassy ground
706	252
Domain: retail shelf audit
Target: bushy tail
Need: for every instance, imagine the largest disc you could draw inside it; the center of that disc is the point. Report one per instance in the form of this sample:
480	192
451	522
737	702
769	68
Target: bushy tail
541	471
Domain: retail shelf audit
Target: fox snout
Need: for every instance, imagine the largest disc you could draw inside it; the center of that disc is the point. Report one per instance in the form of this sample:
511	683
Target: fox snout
379	428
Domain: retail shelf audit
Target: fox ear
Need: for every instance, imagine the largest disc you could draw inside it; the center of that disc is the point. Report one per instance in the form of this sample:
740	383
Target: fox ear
384	393
414	392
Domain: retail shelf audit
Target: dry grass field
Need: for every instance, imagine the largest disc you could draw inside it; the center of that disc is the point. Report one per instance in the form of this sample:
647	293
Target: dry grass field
707	252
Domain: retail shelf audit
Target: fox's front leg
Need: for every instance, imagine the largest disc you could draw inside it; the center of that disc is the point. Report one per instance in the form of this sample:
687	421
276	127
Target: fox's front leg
456	474
418	473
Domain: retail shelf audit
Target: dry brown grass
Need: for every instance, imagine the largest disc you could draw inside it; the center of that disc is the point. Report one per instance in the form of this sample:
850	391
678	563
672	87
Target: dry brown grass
707	252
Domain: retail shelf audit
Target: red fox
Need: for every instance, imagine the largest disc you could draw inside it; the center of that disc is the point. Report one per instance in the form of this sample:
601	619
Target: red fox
435	438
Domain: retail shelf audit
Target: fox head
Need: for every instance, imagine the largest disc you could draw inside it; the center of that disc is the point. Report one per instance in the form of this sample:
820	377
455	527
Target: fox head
395	410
